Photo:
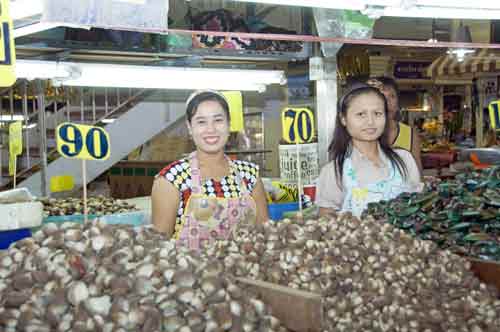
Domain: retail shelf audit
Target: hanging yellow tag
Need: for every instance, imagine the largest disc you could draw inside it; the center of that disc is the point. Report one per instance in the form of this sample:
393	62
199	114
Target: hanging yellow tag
7	48
494	109
16	138
12	164
61	183
235	101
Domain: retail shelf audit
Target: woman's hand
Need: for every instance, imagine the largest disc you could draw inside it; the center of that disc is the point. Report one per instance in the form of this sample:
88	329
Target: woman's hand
259	196
326	212
165	203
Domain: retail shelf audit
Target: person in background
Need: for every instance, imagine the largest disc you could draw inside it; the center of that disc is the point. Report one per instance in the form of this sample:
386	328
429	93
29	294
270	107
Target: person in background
203	197
364	167
400	134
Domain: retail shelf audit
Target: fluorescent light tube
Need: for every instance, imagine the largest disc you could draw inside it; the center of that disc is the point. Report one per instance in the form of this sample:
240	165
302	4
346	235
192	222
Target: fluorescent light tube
43	70
442	12
14	117
473	4
20	9
148	77
30	126
332	4
460	53
33	28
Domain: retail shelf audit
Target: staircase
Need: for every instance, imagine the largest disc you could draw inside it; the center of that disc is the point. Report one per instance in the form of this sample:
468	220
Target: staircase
136	115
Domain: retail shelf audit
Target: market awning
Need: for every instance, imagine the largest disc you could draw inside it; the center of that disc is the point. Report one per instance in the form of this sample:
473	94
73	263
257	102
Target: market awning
483	61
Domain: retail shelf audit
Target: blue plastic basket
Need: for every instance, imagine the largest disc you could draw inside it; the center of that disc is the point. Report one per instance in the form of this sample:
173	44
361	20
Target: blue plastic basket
8	237
276	210
134	218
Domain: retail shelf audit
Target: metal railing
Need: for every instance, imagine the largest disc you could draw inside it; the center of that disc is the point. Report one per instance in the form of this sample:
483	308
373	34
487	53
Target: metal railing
68	104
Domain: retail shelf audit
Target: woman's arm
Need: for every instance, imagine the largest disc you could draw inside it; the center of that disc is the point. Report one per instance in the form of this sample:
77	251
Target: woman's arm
165	203
414	179
259	196
329	196
416	149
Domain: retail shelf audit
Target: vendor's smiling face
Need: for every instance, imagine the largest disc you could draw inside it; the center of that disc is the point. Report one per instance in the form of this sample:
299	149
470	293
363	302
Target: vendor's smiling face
209	127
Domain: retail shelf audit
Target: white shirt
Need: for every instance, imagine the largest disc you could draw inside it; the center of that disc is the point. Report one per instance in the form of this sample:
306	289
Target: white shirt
330	195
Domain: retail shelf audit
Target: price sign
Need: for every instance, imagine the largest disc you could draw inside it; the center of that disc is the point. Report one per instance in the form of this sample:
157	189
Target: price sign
297	125
494	109
235	102
61	183
82	142
7	49
15	138
15	145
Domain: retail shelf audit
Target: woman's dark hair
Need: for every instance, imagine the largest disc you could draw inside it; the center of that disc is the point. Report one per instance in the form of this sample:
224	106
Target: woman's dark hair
341	145
389	82
197	98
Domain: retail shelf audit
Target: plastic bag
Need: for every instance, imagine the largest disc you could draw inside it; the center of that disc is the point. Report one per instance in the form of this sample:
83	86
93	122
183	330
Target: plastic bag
139	15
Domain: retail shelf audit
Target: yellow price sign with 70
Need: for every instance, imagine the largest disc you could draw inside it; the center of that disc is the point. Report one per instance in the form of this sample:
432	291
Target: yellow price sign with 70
494	108
297	125
82	142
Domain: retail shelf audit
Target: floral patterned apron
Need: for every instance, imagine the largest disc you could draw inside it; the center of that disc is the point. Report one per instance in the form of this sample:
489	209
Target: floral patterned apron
357	197
207	219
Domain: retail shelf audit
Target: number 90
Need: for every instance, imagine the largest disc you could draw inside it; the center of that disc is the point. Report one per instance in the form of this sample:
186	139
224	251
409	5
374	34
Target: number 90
84	142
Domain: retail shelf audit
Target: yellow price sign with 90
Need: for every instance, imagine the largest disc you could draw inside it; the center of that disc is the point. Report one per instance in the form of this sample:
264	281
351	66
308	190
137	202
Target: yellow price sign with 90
494	108
7	49
82	142
297	125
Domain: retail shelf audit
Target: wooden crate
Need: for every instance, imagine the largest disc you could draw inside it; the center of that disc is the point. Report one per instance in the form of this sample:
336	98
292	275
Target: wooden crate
129	179
487	271
298	311
301	311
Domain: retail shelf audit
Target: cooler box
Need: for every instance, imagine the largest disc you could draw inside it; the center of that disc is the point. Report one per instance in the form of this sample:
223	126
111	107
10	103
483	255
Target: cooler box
20	215
276	210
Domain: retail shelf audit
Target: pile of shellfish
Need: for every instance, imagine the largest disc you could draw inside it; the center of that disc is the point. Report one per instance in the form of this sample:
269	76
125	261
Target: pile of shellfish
98	205
462	214
98	277
373	277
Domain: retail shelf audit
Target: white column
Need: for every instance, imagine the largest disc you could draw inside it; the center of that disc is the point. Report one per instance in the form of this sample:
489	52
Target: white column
324	72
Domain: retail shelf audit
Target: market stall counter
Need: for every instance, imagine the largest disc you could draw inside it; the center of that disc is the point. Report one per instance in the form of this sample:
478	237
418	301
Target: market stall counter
367	274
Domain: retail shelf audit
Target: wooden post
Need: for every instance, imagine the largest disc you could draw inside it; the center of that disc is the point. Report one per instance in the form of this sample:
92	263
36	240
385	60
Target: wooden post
84	180
42	137
299	180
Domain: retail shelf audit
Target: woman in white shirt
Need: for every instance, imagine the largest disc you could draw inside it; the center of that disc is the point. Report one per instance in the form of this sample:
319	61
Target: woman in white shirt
364	168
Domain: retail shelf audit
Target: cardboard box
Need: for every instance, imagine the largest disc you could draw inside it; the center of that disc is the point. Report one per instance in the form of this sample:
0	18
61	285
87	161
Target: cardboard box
129	179
168	148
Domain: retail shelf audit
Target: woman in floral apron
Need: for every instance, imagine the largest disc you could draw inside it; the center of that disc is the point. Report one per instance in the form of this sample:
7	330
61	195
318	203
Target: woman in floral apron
201	198
364	167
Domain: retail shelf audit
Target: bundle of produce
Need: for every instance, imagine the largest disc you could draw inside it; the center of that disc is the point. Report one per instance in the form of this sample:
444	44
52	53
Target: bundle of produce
462	215
100	277
98	205
373	277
